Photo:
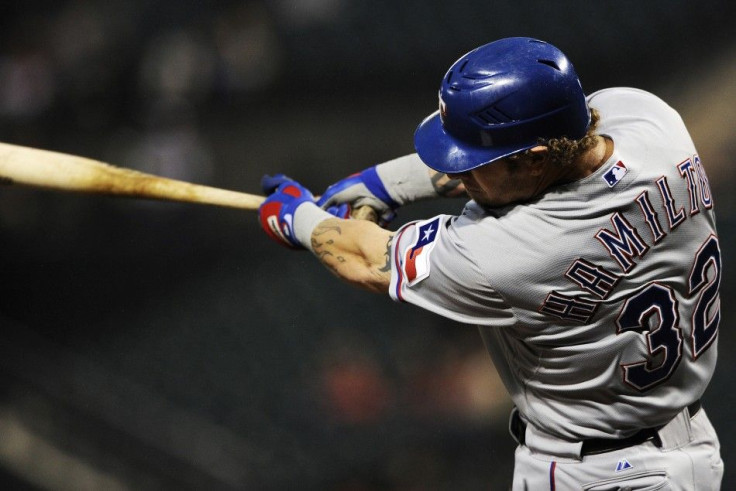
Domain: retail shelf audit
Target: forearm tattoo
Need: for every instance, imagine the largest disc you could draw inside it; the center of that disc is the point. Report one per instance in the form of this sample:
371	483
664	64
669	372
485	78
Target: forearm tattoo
352	264
324	246
386	268
445	186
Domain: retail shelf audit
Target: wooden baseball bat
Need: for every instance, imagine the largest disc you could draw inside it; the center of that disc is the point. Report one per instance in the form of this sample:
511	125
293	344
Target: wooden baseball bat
27	166
34	167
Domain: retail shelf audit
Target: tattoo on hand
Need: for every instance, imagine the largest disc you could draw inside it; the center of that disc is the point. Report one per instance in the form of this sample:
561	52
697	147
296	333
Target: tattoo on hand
446	187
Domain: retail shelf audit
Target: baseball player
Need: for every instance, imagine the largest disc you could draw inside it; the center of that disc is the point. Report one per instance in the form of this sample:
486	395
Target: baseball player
587	256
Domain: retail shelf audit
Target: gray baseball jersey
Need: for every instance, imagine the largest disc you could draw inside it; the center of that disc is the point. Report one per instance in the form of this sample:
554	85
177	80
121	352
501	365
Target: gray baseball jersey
598	301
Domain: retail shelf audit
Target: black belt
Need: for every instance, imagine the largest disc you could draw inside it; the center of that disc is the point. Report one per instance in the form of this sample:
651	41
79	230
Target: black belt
602	445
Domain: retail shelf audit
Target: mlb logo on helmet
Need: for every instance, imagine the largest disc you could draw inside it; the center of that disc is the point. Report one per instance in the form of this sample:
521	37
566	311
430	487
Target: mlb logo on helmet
416	264
615	174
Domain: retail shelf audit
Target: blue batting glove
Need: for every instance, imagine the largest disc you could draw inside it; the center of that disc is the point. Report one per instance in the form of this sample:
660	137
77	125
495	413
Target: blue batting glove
340	211
363	188
276	214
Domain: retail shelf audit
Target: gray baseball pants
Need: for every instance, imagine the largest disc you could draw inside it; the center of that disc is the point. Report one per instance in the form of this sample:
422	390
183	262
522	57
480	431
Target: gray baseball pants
682	455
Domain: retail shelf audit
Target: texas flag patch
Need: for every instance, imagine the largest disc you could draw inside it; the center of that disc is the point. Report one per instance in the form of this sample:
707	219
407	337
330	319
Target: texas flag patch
615	174
416	260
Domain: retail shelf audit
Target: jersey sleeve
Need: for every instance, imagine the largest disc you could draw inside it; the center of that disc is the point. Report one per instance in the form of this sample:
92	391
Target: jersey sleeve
432	269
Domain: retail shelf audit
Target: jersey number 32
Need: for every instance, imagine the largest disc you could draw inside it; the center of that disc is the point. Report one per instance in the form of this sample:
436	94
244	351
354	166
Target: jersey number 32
664	339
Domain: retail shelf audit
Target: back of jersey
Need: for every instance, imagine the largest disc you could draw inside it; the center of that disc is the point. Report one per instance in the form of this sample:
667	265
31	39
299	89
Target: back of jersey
603	292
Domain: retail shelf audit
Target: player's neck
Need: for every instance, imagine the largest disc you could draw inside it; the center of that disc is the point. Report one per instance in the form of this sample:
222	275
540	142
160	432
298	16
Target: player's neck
594	158
587	163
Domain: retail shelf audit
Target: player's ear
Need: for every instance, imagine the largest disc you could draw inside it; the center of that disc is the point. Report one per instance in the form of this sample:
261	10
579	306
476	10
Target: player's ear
538	157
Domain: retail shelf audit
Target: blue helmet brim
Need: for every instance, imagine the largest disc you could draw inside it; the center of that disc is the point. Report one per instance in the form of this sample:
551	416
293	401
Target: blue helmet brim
444	153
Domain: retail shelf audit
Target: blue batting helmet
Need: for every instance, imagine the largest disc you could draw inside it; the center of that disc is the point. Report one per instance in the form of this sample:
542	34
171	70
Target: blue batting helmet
500	99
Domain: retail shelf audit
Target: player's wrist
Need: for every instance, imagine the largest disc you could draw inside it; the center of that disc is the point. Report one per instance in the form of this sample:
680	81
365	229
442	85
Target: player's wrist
306	218
406	179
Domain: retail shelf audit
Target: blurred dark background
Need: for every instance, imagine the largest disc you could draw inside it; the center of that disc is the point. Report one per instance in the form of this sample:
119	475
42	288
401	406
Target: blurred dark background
149	345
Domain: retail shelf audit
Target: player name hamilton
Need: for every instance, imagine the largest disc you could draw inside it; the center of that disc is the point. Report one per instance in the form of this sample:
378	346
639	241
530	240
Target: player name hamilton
625	242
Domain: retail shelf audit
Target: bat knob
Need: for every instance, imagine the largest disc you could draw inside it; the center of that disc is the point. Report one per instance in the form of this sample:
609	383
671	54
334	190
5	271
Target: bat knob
365	213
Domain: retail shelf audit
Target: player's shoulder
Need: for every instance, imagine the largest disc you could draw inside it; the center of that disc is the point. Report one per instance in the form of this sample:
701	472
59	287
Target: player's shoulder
638	114
630	101
621	92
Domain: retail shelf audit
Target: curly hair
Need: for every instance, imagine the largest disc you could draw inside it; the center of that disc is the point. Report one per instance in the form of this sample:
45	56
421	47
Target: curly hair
564	151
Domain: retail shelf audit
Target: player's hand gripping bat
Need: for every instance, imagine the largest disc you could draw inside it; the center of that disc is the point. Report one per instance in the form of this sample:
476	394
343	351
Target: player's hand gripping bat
33	167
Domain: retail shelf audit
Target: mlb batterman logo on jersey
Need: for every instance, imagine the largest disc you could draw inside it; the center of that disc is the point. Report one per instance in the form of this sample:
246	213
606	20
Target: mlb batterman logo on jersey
416	262
615	174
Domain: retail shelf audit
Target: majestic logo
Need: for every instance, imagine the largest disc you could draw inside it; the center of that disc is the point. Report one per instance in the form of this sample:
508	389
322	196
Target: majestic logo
416	264
623	465
615	174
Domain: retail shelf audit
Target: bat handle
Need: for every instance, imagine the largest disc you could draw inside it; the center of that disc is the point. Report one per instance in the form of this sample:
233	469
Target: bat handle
365	213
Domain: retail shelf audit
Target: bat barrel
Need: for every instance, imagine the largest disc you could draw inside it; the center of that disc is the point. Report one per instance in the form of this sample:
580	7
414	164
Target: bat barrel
53	170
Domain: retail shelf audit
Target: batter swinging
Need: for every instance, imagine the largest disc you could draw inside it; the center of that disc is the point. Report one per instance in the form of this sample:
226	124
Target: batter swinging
588	257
